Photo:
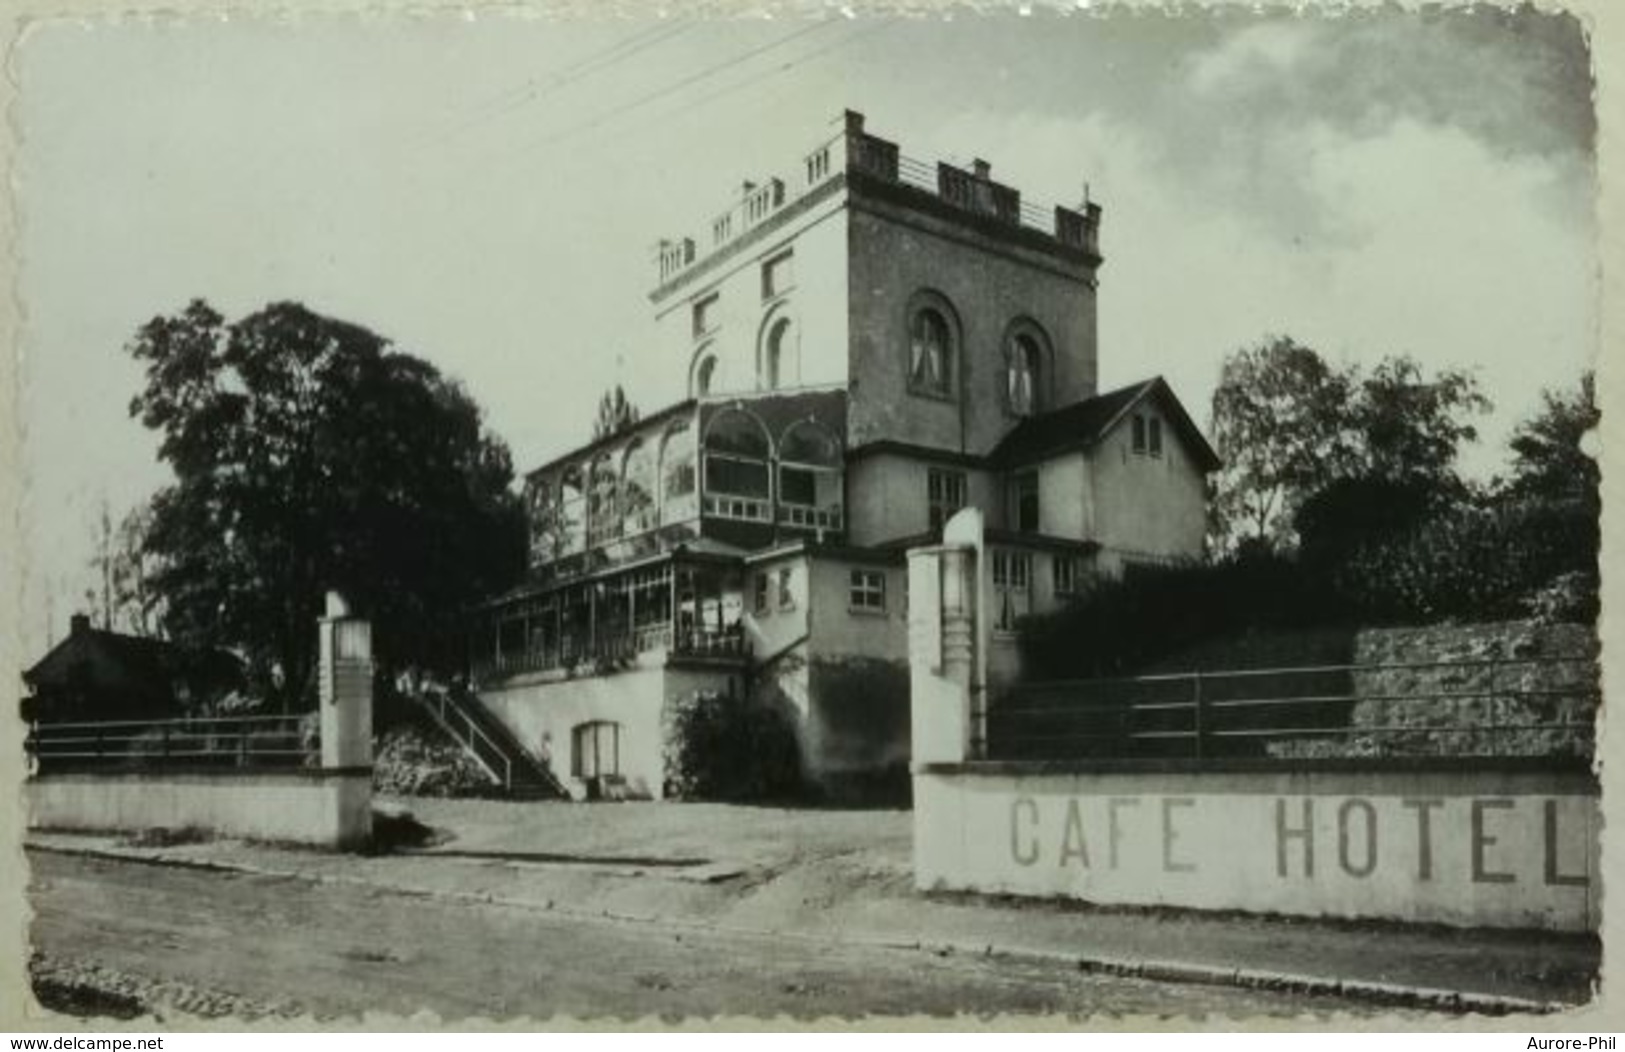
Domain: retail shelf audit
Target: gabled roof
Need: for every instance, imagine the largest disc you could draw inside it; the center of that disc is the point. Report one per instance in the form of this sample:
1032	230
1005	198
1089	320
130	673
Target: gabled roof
99	659
1084	424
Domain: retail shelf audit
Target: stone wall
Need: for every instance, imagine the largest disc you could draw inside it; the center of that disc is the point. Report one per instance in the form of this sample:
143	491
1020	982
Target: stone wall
1489	689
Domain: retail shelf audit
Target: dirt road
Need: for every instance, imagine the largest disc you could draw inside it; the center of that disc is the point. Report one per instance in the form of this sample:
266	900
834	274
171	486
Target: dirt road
339	949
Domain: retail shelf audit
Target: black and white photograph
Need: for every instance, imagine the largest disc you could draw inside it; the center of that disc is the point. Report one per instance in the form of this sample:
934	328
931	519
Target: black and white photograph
813	515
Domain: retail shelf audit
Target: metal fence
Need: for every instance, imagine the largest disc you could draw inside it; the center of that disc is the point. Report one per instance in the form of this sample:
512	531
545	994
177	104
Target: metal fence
1536	707
197	742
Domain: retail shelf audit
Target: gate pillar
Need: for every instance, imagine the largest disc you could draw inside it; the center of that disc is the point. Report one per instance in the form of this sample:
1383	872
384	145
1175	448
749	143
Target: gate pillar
944	644
345	689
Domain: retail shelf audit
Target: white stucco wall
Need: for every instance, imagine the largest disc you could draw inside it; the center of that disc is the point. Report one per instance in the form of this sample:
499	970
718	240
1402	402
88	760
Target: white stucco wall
542	715
816	301
1145	505
308	807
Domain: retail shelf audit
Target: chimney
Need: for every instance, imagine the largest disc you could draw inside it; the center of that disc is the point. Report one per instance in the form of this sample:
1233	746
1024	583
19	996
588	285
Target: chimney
78	624
982	168
854	122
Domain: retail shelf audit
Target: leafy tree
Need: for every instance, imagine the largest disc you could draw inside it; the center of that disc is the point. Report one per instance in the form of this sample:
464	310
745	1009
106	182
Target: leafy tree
1294	432
131	567
1411	426
615	414
1283	427
1548	459
308	455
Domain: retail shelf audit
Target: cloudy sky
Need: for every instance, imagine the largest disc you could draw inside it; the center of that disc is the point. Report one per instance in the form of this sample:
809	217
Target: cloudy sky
488	193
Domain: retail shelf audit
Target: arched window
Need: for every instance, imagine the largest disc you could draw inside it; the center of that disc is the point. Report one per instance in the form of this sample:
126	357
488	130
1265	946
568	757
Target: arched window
679	496
738	455
810	476
603	522
930	352
703	378
638	493
933	338
781	353
1025	363
569	523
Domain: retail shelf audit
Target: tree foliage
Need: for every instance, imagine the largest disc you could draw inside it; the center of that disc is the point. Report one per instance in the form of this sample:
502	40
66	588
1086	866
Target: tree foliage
1289	427
309	455
1549	461
1282	427
615	414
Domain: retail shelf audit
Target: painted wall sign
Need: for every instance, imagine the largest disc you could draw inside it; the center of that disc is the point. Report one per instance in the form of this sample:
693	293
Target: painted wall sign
1460	849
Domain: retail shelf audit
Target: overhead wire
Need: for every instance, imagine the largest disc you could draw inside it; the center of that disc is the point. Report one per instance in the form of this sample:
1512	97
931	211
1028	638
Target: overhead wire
525	94
785	67
667	90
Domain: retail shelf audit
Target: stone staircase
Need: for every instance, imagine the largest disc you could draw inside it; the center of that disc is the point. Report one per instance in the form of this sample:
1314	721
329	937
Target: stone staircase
515	773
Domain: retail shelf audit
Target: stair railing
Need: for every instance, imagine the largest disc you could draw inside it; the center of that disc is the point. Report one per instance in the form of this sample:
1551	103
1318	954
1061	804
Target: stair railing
440	706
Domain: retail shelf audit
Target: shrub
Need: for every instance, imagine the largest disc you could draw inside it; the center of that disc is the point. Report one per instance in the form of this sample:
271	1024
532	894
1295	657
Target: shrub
1121	626
728	747
1477	563
413	762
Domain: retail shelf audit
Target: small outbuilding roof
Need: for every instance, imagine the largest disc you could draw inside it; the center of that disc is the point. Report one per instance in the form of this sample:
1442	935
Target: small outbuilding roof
1084	424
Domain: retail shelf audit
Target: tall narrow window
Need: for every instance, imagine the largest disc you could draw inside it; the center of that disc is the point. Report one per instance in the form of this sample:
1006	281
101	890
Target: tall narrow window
809	492
779	365
929	357
778	275
570	524
639	511
1023	375
705	376
944	495
705	316
603	514
1138	437
1066	575
1024	501
1154	437
595	749
1012	588
679	500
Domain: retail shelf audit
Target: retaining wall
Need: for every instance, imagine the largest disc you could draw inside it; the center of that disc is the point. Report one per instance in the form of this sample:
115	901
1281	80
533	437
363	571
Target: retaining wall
325	807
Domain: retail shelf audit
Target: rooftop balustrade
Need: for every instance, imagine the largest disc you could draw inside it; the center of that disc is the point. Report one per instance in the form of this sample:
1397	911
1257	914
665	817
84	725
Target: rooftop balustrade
853	150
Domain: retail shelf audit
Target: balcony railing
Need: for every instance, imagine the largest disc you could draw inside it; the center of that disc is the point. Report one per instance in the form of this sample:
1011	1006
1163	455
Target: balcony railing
712	643
812	518
616	649
741	509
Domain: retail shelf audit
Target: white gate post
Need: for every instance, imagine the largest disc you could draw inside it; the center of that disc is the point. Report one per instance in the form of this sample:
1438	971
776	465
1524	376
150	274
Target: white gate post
945	647
346	716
